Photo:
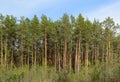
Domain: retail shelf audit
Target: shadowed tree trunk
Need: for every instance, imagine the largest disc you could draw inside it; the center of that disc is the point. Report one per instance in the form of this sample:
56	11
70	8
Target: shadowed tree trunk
1	48
76	56
86	54
35	55
64	54
28	57
70	56
6	52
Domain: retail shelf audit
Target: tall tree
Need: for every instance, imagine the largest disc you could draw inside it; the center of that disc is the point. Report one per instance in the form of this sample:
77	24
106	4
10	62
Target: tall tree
78	29
45	23
96	41
35	36
10	24
1	38
66	30
109	26
87	37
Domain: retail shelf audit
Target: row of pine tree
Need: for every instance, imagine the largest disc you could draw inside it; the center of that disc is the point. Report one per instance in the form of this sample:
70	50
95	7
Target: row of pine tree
65	44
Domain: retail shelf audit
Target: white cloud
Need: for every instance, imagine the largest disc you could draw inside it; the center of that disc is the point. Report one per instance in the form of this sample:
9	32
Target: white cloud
112	10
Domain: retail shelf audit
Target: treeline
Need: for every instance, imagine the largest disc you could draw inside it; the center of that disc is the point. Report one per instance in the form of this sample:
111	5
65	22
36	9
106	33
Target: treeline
65	44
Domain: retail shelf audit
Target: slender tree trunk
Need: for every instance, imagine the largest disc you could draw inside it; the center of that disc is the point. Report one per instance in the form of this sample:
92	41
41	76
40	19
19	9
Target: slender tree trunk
76	56
64	54
70	56
5	52
45	46
28	58
103	53
11	58
106	54
59	62
93	53
82	56
86	55
79	55
21	52
55	57
109	48
97	56
43	53
1	50
35	54
32	56
58	58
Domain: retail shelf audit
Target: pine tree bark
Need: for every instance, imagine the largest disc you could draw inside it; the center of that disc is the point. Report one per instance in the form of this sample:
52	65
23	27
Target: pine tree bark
35	58
70	56
86	55
34	54
21	52
59	62
55	57
28	57
5	63
93	53
32	57
43	53
1	50
12	58
64	54
79	55
45	48
76	56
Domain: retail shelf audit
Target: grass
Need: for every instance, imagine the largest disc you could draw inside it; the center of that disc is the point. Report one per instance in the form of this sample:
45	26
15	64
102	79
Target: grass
99	73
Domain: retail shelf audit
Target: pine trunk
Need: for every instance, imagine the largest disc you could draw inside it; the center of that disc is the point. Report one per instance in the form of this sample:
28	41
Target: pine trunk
70	57
59	62
45	51
21	53
12	58
93	54
76	56
55	57
32	59
64	55
79	55
86	55
35	54
5	52
1	51
28	57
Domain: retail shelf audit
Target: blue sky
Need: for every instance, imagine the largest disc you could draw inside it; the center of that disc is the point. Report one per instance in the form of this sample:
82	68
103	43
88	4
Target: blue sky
99	9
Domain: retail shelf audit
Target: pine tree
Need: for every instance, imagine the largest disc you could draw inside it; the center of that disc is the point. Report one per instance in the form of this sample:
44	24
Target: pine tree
65	30
10	24
109	25
78	36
